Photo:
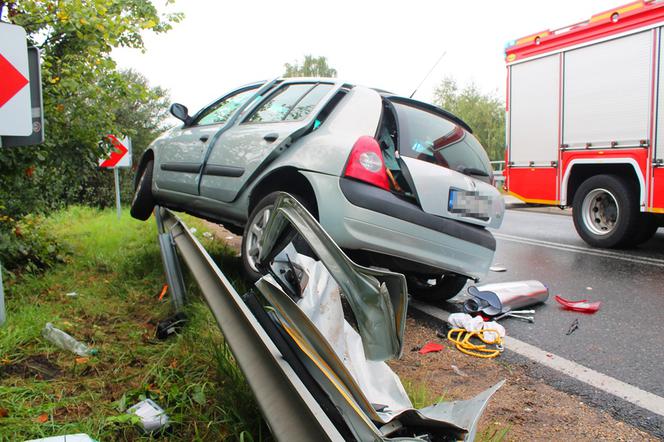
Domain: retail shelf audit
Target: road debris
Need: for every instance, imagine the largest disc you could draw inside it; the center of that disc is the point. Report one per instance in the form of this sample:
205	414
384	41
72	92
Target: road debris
458	371
573	327
430	347
79	437
152	416
207	235
164	289
582	305
171	325
494	299
65	341
71	294
465	328
498	268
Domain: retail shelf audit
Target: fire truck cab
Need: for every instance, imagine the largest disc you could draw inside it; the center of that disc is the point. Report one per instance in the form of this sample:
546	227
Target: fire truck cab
585	122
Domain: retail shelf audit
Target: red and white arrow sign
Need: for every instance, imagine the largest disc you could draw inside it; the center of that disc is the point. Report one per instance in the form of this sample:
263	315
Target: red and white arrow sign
119	151
15	107
120	155
12	81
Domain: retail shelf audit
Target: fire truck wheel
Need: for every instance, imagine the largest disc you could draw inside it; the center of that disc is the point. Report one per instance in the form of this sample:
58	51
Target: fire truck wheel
606	212
647	229
435	289
143	202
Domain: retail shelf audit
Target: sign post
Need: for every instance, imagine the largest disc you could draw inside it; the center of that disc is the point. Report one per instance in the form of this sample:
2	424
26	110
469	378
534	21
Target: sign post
120	158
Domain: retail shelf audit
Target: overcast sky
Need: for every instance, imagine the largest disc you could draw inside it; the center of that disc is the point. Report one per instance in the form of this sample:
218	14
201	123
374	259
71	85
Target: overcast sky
387	44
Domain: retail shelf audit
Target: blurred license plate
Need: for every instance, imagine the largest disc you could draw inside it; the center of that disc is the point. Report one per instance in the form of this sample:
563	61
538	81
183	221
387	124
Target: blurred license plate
469	203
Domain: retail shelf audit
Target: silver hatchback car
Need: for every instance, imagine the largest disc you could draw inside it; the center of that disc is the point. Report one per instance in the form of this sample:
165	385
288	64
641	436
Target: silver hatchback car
396	182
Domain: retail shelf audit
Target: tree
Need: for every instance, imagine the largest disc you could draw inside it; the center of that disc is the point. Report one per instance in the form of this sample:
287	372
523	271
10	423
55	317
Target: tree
484	113
311	67
85	96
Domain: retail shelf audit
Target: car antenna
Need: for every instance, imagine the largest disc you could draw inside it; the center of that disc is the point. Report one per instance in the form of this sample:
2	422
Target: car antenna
429	73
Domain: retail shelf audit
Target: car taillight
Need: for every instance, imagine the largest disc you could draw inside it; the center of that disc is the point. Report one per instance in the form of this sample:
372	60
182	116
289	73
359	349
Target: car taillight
365	163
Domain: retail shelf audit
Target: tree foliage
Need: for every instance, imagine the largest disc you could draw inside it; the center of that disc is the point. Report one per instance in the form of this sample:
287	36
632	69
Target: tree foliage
85	97
311	67
484	113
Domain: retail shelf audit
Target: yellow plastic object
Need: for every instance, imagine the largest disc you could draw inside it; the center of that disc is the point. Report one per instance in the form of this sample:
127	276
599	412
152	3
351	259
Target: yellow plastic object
462	340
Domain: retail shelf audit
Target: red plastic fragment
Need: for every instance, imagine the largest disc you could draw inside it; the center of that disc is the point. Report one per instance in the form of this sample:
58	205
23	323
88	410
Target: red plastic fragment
582	305
430	347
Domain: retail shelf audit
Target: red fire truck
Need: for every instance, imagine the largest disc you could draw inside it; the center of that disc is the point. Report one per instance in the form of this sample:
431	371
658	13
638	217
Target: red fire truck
585	122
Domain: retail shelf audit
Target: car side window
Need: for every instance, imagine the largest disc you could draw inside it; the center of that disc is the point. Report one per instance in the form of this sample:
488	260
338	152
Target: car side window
220	112
291	103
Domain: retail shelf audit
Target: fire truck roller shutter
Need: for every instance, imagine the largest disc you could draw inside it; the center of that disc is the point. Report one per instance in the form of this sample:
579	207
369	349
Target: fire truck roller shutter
607	92
534	108
659	146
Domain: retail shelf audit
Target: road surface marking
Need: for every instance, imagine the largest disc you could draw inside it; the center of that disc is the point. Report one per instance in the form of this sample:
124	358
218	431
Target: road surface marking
577	249
625	391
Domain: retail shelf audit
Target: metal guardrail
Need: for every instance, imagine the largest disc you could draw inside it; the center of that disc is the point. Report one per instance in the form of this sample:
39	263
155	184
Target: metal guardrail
498	177
290	410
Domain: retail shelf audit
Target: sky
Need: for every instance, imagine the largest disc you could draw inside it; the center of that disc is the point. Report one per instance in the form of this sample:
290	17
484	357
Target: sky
386	44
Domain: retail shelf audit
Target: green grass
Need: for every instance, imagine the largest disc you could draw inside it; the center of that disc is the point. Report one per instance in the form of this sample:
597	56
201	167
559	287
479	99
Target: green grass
115	267
419	394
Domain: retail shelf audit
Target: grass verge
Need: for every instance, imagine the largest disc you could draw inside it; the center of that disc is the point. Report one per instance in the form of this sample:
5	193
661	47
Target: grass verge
115	269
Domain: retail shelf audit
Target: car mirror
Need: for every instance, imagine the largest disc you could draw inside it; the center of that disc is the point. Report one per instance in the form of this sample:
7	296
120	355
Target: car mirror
181	112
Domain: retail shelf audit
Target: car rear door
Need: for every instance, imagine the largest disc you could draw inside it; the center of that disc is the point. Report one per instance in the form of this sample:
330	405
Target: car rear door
268	129
182	154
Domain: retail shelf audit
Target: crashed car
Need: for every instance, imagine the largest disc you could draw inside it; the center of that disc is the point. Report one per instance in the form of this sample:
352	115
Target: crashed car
398	183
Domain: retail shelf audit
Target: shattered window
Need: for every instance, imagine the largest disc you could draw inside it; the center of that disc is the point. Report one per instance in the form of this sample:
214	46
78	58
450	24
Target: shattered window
222	110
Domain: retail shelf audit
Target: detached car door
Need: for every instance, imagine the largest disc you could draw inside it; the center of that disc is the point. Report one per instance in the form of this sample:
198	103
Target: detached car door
243	151
181	155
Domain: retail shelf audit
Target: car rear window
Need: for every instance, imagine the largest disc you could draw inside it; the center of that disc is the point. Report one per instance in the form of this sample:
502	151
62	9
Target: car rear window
430	137
290	103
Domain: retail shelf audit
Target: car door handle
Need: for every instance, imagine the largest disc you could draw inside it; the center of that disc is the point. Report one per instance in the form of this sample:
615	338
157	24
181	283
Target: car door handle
271	137
204	138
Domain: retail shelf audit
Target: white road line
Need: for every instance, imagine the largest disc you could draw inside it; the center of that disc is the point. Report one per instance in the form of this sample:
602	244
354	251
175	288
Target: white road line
624	391
577	249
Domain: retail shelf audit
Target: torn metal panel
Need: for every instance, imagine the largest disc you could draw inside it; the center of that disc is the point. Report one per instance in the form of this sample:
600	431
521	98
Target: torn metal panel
378	298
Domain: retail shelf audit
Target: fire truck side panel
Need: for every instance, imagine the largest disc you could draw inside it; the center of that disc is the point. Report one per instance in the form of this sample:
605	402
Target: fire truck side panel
633	159
607	92
659	144
534	112
535	185
658	190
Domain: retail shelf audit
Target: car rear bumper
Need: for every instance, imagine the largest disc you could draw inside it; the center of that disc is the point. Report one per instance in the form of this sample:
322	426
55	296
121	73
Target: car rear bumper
362	217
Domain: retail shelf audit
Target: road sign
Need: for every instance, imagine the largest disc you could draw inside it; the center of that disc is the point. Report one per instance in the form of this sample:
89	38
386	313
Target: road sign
37	135
120	156
15	112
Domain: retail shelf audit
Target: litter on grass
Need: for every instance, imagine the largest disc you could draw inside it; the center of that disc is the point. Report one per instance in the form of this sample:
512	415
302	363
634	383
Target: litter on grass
65	341
80	437
152	416
430	347
582	305
72	294
207	235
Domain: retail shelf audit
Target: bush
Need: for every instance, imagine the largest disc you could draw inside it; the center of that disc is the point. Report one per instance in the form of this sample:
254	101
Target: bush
27	245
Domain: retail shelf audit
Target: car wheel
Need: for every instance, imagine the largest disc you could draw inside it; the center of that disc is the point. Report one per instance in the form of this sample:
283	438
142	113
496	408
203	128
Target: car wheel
606	212
254	229
143	202
433	290
647	228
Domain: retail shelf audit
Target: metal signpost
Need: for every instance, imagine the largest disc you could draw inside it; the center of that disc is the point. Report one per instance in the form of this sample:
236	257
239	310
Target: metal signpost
120	158
21	108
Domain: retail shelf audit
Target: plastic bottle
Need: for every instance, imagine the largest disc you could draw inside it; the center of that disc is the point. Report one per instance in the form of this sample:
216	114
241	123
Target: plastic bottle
66	342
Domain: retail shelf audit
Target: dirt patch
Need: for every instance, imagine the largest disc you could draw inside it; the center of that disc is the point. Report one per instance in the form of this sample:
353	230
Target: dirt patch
531	409
33	367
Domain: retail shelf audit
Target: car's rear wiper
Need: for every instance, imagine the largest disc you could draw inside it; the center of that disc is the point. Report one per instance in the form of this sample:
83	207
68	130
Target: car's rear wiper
472	171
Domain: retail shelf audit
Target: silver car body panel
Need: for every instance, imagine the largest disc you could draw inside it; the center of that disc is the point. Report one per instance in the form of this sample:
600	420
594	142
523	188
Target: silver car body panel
433	184
354	227
374	297
378	298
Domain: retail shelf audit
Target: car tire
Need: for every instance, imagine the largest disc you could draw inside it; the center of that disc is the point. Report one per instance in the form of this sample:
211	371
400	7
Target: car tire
253	232
647	228
606	212
444	287
143	202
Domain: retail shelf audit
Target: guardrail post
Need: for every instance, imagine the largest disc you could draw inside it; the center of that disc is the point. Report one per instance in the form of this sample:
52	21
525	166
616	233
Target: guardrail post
172	267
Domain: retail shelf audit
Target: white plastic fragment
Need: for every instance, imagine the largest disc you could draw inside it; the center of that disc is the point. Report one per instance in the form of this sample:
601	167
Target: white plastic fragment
80	437
497	268
72	294
207	235
152	416
193	230
229	237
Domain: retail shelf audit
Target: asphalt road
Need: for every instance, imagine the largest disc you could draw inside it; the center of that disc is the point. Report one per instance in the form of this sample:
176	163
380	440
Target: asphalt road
625	338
